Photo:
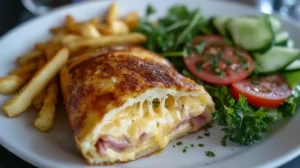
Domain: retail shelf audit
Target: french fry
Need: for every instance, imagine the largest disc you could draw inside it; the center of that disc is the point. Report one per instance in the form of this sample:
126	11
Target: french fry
25	68
119	27
12	83
51	49
69	38
89	31
112	13
45	119
131	38
29	57
94	21
58	30
40	47
37	101
71	25
105	29
131	20
23	99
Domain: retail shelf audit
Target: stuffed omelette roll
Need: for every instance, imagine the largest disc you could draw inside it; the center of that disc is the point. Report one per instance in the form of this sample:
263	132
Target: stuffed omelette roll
124	103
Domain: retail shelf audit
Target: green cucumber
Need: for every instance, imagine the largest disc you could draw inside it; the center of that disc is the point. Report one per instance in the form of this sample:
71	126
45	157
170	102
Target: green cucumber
293	78
293	66
290	43
251	33
281	38
275	24
275	59
218	23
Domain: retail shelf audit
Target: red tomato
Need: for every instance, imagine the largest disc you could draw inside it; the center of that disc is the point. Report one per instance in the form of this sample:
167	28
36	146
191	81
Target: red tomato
268	92
219	64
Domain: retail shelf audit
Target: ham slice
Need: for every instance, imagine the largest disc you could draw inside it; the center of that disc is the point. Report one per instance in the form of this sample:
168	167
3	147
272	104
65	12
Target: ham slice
106	142
198	122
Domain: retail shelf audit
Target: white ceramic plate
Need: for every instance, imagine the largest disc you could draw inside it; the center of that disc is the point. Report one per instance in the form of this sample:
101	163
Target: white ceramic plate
57	148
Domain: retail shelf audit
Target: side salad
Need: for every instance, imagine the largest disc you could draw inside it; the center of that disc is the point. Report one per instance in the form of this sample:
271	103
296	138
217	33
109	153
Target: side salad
247	63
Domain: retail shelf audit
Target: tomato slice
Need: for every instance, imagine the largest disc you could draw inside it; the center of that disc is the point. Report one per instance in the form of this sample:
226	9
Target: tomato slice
268	92
219	64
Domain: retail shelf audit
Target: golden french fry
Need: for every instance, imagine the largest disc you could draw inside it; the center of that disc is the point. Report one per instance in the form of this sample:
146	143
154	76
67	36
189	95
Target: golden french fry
23	99
119	27
131	38
94	21
29	57
40	46
37	101
65	39
131	20
58	30
112	13
89	31
12	83
105	29
45	119
51	49
69	38
72	25
25	68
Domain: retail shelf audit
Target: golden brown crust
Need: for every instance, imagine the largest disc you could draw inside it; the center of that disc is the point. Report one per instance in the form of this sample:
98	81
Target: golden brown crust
104	80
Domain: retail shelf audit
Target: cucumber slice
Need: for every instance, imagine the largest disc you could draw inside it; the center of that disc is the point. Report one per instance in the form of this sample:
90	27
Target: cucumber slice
275	24
274	60
290	43
293	66
251	33
293	78
282	38
218	23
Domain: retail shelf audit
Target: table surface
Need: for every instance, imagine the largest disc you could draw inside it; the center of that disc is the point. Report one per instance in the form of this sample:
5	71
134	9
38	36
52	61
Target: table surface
7	159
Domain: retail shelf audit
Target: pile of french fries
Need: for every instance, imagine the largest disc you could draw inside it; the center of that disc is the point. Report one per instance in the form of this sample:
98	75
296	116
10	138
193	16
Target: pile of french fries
35	80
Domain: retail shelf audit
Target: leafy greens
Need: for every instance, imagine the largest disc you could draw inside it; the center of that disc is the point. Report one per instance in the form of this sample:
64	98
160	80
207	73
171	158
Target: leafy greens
172	34
242	123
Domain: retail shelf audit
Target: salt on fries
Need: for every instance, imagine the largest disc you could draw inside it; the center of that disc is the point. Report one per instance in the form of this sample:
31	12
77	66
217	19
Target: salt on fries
41	89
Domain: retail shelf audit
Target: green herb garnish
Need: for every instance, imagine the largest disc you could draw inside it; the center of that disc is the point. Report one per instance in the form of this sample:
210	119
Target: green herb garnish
199	66
179	143
222	74
209	154
184	149
200	145
288	108
200	48
199	137
206	134
192	145
242	123
150	10
223	142
207	126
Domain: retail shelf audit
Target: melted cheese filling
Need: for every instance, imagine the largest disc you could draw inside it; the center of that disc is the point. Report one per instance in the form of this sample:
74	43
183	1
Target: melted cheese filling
157	118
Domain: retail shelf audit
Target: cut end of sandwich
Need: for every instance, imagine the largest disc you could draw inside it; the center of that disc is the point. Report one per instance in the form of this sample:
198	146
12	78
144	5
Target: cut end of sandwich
147	124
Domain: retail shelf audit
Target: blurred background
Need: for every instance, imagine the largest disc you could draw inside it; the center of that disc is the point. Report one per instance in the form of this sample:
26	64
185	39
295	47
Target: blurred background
15	12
